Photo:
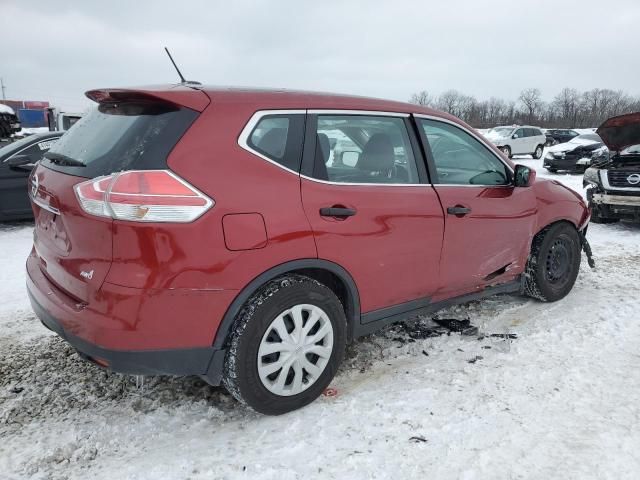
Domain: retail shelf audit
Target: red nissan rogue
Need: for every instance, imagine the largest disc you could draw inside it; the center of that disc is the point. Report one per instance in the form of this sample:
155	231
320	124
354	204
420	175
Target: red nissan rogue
247	236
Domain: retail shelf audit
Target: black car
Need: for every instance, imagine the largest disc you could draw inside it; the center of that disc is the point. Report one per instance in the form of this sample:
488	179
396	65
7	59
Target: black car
559	135
16	161
613	185
575	155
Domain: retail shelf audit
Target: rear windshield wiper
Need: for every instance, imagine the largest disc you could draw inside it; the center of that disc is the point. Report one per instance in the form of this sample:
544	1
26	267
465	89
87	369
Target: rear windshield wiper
61	159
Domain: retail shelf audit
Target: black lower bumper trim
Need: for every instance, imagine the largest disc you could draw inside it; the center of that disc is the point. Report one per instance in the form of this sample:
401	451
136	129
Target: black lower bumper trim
206	362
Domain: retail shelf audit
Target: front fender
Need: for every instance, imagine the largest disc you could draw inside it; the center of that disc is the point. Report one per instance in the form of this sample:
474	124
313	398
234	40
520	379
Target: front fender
556	202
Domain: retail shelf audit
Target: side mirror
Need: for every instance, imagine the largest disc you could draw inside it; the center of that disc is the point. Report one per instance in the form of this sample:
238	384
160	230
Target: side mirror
523	176
22	162
514	136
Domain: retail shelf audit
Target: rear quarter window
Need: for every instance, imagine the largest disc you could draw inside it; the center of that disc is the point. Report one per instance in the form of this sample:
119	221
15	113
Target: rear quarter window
278	138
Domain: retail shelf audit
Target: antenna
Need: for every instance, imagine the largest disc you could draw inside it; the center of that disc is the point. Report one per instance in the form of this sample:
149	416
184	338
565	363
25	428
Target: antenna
182	79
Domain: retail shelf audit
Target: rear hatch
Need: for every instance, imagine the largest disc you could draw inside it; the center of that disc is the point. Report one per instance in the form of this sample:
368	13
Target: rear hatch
127	130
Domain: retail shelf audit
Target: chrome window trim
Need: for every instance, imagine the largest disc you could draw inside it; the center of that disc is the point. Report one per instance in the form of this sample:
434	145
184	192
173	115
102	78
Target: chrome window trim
328	182
607	185
474	135
371	113
243	138
470	185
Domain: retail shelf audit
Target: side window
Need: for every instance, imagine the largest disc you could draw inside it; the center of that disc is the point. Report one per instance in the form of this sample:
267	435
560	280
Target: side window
520	133
460	159
37	150
363	149
279	138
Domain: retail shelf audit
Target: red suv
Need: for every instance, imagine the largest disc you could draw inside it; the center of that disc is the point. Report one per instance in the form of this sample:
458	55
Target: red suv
247	236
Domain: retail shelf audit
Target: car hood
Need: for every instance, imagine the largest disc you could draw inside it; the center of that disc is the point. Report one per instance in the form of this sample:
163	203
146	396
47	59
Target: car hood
568	146
620	132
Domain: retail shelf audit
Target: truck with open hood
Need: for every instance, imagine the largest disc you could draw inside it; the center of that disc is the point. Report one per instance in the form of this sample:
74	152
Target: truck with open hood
613	183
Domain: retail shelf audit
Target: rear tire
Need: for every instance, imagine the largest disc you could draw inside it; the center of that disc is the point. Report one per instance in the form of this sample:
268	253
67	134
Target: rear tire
554	263
274	362
537	154
552	170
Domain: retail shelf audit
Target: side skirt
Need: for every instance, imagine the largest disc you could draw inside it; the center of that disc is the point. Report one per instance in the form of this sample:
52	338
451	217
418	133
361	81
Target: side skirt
373	321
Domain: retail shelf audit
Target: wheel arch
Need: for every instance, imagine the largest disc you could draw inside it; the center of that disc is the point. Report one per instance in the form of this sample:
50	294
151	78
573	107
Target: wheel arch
328	273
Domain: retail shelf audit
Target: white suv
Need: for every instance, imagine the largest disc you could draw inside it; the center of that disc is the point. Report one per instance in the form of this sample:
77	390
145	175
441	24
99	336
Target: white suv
518	140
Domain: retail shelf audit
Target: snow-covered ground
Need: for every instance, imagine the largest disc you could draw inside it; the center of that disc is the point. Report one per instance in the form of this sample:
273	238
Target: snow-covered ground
560	401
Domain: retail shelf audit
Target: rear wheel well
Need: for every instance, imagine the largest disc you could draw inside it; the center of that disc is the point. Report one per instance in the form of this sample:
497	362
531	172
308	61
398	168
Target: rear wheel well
328	273
331	280
335	283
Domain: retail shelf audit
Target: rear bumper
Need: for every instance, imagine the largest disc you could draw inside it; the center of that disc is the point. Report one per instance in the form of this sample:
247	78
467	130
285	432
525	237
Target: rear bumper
147	342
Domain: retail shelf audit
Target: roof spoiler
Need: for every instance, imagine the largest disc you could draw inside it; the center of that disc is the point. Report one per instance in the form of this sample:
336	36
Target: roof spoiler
178	95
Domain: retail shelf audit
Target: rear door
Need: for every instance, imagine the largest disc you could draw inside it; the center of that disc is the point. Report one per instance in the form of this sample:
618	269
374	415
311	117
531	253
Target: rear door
365	193
14	198
519	143
488	222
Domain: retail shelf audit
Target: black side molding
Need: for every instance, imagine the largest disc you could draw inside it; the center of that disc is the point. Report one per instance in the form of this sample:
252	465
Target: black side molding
409	311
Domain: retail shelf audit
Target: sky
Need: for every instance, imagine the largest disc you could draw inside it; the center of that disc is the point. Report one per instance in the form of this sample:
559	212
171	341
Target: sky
56	51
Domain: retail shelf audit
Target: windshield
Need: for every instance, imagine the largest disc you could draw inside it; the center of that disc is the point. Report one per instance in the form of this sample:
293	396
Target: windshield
586	138
632	150
501	131
112	138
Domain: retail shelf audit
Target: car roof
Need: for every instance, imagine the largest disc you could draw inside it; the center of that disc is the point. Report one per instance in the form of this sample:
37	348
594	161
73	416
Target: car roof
266	98
43	135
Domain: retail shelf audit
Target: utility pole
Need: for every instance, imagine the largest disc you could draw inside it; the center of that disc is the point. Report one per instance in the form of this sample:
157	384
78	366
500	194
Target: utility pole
3	87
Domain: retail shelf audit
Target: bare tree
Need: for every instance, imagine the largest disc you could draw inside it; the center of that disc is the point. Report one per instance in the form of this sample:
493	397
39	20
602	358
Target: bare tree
568	109
449	101
531	99
565	107
422	98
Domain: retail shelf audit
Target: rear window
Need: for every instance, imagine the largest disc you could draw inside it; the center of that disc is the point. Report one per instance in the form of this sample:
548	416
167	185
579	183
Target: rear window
116	137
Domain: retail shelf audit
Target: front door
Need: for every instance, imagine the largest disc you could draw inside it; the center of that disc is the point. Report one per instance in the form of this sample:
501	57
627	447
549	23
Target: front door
371	208
14	198
488	222
520	143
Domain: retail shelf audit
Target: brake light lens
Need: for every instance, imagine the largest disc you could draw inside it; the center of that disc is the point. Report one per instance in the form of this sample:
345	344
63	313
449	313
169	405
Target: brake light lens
143	196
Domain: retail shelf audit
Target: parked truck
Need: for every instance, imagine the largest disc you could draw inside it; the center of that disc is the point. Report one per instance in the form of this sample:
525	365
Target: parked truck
61	121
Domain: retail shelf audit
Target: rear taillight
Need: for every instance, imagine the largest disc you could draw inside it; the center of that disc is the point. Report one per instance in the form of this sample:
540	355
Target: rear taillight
142	196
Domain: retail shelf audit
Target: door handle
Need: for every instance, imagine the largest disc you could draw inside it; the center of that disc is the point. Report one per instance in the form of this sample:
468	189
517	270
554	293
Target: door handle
339	212
458	210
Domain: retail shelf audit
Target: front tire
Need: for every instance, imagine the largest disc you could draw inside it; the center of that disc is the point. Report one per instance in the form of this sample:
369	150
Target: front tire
554	263
538	152
287	343
507	151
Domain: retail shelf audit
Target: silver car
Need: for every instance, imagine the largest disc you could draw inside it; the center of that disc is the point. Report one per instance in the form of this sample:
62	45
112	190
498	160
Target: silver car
518	140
